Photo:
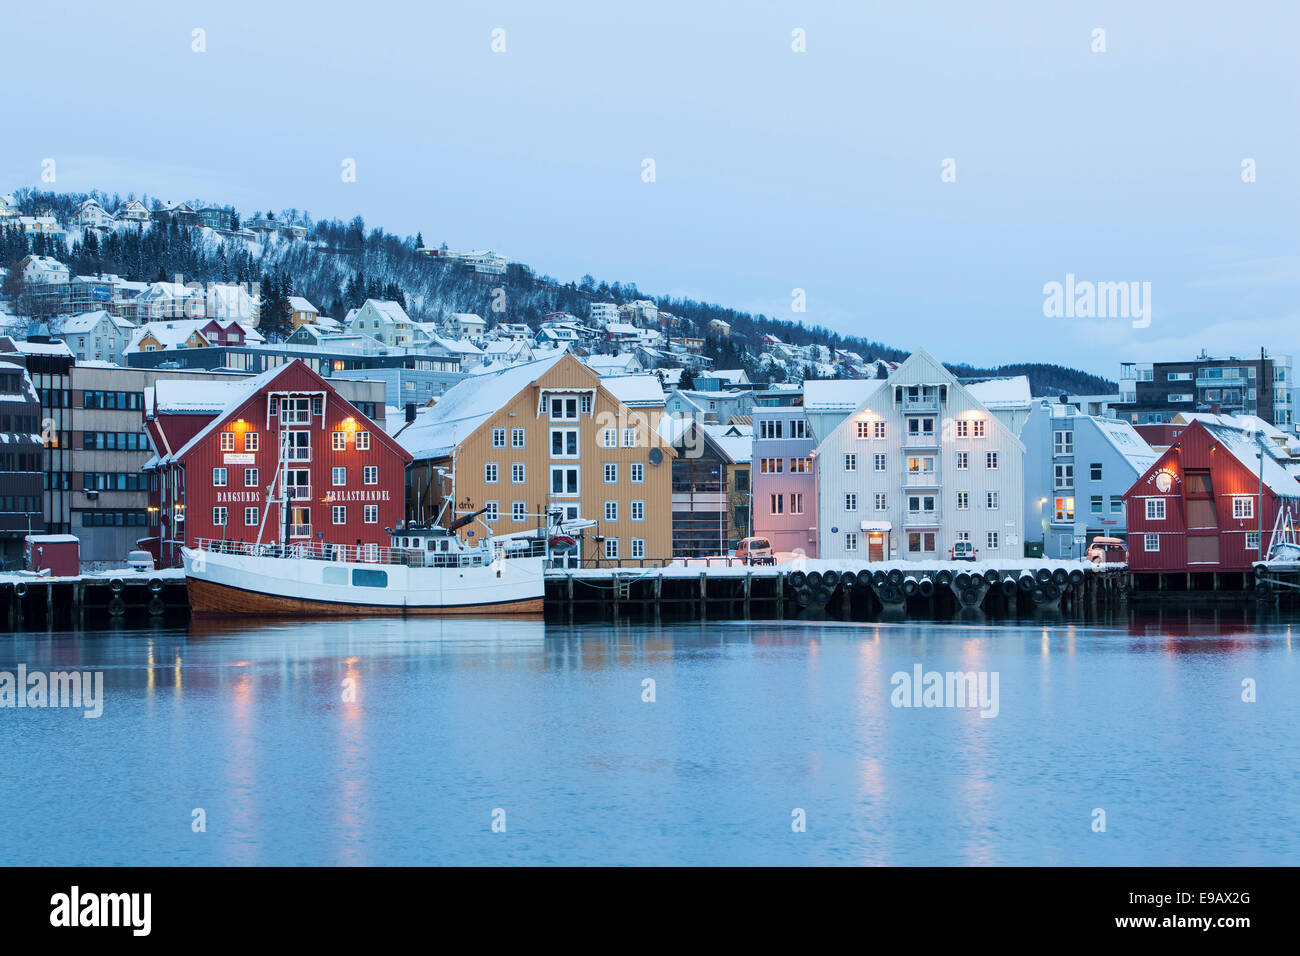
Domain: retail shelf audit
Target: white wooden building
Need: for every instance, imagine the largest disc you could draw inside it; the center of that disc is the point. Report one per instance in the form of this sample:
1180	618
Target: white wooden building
920	465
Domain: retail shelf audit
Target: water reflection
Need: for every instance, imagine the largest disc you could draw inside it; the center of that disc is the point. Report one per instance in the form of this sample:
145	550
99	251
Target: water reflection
390	741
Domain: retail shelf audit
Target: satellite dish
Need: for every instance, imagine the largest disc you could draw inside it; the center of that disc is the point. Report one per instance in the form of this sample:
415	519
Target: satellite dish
656	455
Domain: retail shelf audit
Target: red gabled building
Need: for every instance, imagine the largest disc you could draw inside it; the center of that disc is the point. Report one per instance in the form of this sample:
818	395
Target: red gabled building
219	446
1198	508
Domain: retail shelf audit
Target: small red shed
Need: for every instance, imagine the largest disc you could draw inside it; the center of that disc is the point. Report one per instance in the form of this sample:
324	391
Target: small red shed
60	554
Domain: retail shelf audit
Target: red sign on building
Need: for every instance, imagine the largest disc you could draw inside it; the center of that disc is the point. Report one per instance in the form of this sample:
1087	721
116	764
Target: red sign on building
344	478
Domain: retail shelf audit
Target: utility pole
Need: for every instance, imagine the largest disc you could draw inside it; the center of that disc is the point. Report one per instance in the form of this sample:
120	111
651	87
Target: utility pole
1259	439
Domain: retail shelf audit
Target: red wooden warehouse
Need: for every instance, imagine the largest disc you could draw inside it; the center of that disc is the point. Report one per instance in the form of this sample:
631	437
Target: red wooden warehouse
220	445
1199	508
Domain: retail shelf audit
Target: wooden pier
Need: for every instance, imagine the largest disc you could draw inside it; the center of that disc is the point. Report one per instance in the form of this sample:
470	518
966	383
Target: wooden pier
834	589
48	603
725	589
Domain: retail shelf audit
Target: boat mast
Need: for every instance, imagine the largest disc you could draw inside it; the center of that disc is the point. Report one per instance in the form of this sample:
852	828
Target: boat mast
281	478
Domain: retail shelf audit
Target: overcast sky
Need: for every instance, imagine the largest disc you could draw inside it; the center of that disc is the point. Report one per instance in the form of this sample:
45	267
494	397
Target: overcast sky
775	170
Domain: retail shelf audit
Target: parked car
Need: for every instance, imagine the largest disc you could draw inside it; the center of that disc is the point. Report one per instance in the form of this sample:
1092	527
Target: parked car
962	551
139	561
755	551
1107	551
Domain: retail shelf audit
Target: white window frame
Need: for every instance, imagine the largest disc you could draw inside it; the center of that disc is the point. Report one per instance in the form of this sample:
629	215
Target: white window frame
1156	509
1150	542
564	453
491	472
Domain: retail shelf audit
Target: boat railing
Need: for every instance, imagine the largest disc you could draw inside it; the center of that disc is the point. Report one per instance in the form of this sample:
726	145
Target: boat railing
362	553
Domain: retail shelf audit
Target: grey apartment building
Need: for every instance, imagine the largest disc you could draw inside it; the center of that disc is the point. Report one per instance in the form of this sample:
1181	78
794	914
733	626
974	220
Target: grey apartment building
1262	385
20	461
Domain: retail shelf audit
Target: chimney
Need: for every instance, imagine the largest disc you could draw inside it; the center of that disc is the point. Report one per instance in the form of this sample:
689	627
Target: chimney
410	412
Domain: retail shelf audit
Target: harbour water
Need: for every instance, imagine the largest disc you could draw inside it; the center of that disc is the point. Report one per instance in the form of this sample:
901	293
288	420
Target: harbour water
402	742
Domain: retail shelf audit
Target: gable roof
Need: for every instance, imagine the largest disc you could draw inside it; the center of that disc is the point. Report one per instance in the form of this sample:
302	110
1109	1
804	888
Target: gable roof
466	406
238	394
635	390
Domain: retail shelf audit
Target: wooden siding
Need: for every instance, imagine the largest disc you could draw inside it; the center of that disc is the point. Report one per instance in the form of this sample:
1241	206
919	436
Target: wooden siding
200	497
834	482
521	411
1197	450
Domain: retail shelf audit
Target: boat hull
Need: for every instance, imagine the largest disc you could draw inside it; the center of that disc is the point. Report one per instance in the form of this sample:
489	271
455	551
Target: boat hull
224	585
208	599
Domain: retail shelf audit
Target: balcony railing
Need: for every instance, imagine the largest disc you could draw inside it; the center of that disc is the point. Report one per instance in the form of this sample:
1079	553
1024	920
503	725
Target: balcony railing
300	531
921	440
921	479
921	519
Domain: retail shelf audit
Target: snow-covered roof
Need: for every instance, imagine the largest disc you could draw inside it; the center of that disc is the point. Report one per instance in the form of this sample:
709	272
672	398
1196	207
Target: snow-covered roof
1125	440
1012	391
194	396
735	441
87	321
635	390
298	304
1241	443
43	348
236	393
839	394
467	405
